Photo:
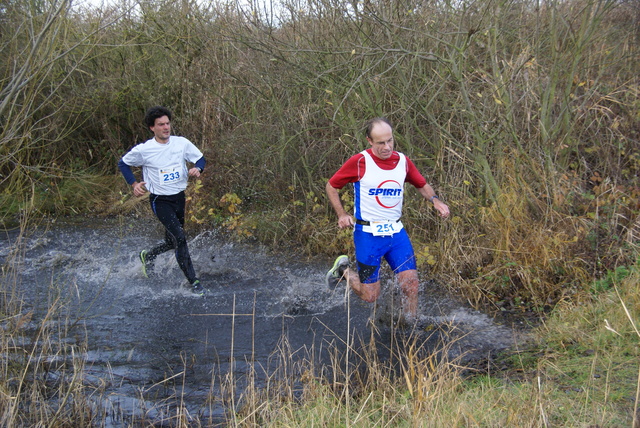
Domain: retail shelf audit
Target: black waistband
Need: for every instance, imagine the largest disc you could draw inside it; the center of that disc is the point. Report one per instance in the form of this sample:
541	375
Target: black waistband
174	197
367	223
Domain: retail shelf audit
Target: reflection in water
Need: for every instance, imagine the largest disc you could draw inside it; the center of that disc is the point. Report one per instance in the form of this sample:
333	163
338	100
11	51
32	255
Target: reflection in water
151	346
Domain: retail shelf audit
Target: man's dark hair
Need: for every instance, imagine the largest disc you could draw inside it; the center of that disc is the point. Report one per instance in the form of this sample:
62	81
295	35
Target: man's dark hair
370	123
154	113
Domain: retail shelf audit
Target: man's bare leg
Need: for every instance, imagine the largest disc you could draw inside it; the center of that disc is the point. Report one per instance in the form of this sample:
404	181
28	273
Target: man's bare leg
408	281
367	292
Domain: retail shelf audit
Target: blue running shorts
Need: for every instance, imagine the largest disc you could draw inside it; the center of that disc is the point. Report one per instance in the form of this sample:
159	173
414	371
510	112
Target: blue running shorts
370	250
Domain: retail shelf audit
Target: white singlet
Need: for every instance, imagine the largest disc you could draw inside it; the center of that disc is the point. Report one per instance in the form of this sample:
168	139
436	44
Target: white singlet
379	193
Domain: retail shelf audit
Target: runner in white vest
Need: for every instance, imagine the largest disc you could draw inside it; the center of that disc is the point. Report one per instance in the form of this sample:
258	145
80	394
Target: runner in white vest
378	175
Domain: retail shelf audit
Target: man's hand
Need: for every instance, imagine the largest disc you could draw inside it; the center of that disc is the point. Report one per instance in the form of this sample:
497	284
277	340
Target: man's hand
194	172
427	192
441	207
139	189
345	221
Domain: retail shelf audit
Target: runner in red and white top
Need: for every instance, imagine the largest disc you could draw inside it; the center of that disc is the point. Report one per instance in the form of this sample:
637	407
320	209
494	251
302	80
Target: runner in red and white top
378	175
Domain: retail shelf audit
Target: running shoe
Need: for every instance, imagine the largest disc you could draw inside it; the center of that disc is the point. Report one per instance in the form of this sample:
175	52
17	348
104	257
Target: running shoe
146	264
336	273
197	288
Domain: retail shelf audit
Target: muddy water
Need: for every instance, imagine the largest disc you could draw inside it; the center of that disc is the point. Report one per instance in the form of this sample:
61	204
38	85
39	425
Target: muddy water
150	346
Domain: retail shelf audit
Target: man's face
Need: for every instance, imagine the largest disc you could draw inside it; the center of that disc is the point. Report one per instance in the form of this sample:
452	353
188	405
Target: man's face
161	129
381	140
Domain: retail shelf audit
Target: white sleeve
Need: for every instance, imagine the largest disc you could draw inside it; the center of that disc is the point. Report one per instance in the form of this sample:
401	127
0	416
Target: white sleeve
134	157
192	153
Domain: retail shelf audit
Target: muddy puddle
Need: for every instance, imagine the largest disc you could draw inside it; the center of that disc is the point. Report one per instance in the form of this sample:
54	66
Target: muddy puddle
149	346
